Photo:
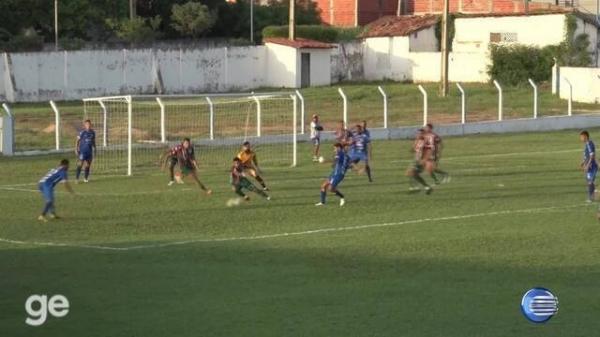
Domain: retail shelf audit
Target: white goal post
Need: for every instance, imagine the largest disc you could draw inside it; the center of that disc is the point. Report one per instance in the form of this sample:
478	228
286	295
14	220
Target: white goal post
133	131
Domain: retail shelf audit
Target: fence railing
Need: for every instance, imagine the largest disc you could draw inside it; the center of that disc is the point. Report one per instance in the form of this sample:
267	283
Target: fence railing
54	129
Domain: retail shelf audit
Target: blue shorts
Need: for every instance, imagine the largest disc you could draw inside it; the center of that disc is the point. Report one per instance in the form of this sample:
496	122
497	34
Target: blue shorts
316	141
335	179
86	156
47	192
358	156
590	175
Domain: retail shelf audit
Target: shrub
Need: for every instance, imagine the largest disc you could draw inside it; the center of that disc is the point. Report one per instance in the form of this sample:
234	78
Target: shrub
315	32
192	18
137	30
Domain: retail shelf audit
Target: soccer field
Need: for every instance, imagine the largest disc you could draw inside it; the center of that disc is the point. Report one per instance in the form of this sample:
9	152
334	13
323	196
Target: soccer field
137	258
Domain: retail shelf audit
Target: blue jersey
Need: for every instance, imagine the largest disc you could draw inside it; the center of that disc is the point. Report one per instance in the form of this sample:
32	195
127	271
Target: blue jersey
54	176
340	163
588	152
87	140
359	142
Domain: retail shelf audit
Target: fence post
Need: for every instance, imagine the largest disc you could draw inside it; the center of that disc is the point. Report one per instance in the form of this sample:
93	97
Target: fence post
570	103
129	136
425	106
463	104
302	113
7	143
385	107
104	125
211	118
258	116
295	130
535	98
56	124
499	88
163	129
345	111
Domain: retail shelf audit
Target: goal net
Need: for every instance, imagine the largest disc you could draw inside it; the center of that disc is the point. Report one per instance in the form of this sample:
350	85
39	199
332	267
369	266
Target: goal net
133	131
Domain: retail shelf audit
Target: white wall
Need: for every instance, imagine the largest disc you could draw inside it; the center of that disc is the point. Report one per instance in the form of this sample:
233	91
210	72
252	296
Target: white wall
585	81
592	31
320	66
284	68
424	40
462	67
386	58
347	62
473	34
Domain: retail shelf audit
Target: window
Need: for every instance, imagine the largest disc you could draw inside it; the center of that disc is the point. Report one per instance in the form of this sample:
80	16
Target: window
503	37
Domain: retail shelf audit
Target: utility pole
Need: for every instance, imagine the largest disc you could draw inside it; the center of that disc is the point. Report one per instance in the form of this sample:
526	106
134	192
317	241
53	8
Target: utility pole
399	9
132	5
55	24
252	21
292	23
444	45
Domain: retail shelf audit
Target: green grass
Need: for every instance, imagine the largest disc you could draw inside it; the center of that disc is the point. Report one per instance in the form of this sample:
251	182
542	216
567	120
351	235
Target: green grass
35	122
438	277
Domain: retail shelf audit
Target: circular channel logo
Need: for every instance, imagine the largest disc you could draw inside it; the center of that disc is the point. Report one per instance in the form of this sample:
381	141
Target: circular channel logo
539	305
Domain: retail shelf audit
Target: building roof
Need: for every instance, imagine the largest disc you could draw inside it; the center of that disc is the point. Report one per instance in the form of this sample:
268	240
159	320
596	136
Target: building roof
399	25
405	25
299	43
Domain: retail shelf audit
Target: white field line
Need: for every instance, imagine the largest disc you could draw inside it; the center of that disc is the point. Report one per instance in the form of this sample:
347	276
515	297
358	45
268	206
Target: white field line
290	234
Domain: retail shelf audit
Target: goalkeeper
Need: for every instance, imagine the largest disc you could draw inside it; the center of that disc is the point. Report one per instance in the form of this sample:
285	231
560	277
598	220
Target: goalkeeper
250	164
239	182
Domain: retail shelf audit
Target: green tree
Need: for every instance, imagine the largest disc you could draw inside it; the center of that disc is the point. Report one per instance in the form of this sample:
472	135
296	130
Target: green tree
137	30
192	19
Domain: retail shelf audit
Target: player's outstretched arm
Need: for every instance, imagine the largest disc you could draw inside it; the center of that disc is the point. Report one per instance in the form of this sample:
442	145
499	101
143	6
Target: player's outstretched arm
69	188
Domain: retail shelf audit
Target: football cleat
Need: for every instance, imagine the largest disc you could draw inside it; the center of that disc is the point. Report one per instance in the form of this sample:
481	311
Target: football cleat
42	218
342	202
319	204
171	183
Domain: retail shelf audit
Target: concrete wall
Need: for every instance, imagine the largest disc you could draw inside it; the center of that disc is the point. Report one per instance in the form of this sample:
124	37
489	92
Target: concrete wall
585	81
347	62
320	66
284	68
389	58
424	40
385	58
473	34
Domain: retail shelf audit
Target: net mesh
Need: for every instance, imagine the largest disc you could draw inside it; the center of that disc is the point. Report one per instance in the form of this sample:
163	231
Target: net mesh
265	121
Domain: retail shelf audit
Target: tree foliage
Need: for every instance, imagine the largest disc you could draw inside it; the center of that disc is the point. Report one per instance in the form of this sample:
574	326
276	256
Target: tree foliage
192	18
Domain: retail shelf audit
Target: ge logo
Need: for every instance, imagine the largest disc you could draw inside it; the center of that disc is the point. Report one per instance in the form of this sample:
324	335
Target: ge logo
39	306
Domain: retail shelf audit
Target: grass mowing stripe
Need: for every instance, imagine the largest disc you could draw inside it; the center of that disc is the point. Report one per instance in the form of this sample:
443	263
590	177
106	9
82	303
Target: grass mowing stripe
282	235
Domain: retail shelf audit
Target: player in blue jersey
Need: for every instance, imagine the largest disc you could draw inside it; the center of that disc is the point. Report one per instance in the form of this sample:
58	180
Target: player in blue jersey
589	164
46	186
85	149
365	129
359	150
340	166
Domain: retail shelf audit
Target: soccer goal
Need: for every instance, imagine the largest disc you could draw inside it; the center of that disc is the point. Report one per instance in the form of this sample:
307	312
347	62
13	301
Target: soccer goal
133	131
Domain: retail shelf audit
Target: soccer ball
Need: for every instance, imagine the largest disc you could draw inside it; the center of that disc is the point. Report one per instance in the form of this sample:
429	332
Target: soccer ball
321	160
233	202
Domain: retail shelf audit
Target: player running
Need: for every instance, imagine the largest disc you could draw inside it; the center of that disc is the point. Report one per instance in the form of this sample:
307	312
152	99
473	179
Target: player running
420	163
433	142
589	164
250	164
342	135
239	182
170	158
315	136
340	166
187	163
46	186
359	150
85	148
